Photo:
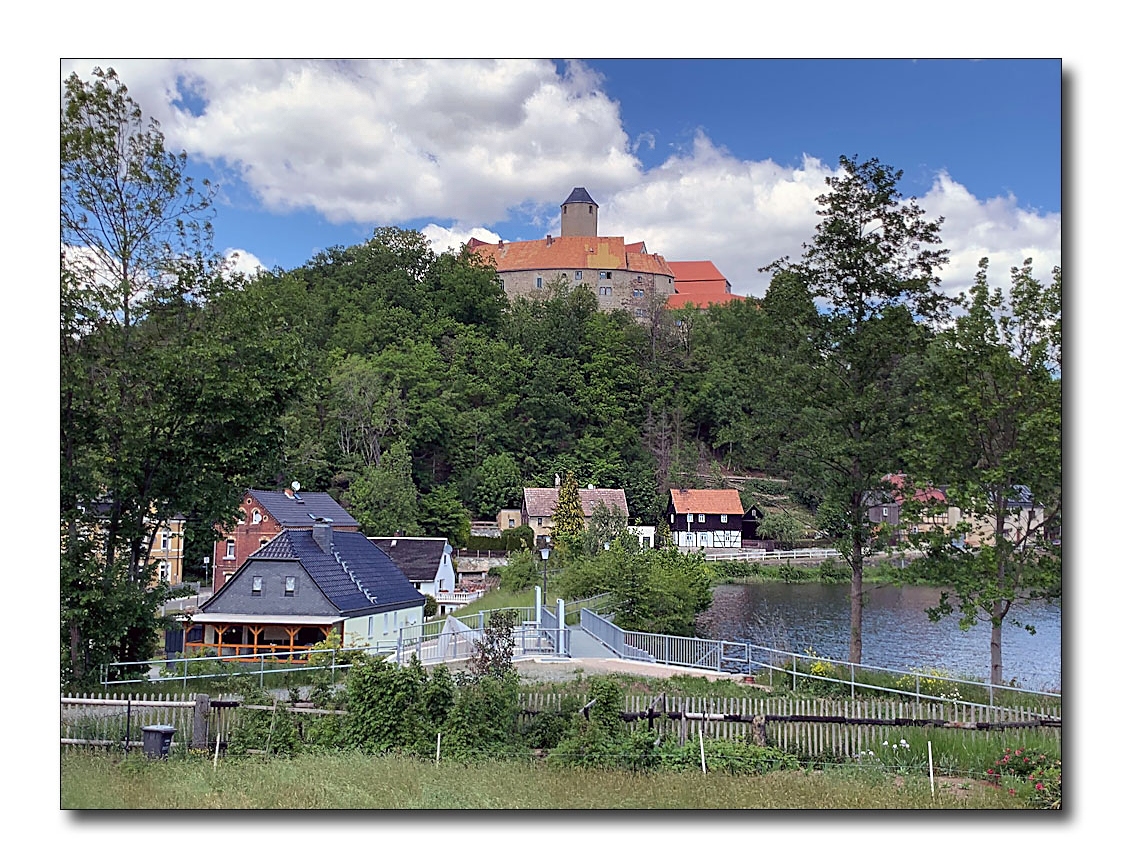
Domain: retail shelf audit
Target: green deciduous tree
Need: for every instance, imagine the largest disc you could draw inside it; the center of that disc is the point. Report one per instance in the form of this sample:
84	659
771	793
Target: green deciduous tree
383	498
173	371
994	434
844	398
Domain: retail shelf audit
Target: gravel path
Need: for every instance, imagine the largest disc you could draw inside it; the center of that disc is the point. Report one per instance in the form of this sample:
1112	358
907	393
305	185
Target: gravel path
563	670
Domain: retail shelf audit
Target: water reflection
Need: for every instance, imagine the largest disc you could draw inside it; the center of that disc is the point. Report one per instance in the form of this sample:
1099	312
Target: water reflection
897	633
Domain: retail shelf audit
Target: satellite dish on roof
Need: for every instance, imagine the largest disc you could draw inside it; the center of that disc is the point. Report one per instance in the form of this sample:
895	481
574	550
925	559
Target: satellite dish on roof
296	486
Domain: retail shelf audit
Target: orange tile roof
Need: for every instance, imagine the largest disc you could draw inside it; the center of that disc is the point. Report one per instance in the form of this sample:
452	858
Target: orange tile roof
700	296
706	501
569	253
696	271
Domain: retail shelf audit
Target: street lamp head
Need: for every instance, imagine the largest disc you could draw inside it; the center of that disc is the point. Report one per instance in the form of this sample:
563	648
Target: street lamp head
544	552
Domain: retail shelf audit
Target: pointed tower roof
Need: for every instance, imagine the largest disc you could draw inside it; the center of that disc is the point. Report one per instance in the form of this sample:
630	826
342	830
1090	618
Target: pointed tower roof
579	195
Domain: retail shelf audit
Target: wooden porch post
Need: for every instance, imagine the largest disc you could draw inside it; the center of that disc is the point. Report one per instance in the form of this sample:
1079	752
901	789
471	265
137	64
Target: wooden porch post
256	632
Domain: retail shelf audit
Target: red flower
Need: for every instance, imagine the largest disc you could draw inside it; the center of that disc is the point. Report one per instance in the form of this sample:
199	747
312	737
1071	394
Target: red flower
1011	792
1038	786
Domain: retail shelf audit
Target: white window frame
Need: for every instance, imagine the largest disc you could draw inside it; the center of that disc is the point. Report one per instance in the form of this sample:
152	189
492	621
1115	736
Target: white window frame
166	539
230	549
722	518
256	516
701	518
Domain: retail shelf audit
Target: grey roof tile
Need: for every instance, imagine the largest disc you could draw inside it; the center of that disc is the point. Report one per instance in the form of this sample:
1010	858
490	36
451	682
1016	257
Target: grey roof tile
293	513
352	552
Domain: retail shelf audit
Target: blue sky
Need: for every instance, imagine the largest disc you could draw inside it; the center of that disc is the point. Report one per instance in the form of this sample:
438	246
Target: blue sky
701	159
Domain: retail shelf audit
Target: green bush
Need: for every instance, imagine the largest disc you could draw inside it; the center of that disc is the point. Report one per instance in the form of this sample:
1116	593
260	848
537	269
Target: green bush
483	722
724	755
519	573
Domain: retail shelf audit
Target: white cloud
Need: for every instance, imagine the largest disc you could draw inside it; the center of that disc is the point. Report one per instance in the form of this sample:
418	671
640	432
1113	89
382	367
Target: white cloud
241	261
743	215
391	141
441	238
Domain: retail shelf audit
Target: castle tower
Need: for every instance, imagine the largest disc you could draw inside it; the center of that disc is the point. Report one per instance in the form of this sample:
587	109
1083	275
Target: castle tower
579	214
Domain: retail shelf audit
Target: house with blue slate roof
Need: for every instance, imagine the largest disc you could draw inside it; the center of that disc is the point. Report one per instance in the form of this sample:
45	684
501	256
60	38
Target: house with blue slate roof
299	588
262	515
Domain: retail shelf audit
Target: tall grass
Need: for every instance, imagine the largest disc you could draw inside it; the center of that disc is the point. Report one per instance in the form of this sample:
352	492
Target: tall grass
353	781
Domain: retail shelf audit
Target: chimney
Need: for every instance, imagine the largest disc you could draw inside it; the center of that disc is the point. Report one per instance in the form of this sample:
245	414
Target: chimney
322	533
288	493
549	240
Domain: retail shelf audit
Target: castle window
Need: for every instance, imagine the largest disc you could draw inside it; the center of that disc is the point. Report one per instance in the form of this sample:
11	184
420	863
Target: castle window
538	282
638	292
591	208
605	274
606	290
501	285
578	276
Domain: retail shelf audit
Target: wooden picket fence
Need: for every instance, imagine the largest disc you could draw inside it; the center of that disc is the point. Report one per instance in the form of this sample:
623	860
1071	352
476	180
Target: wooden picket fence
118	721
813	726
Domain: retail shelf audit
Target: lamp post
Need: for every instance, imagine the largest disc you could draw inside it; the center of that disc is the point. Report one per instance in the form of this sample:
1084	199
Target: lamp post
545	551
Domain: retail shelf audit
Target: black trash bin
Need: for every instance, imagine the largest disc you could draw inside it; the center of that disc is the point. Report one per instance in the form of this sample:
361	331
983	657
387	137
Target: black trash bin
158	740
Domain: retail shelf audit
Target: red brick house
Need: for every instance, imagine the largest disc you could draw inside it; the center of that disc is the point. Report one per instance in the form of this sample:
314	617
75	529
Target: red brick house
263	515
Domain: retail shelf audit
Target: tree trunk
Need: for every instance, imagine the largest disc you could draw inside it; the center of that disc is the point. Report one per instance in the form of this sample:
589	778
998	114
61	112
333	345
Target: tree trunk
999	608
855	643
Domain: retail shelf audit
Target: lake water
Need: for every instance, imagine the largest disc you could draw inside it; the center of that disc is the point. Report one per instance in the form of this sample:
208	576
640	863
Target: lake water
897	633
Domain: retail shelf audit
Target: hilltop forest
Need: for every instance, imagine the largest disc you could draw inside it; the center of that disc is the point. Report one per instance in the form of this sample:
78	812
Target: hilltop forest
404	382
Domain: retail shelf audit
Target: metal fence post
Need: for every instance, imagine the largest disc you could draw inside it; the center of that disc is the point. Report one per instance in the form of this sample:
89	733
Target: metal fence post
852	666
262	671
794	672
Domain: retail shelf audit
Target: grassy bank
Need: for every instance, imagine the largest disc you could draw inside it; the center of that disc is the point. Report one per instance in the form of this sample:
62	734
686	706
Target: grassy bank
350	780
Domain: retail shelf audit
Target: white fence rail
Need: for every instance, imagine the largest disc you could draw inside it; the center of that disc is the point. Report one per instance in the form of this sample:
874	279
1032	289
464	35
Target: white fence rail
752	554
